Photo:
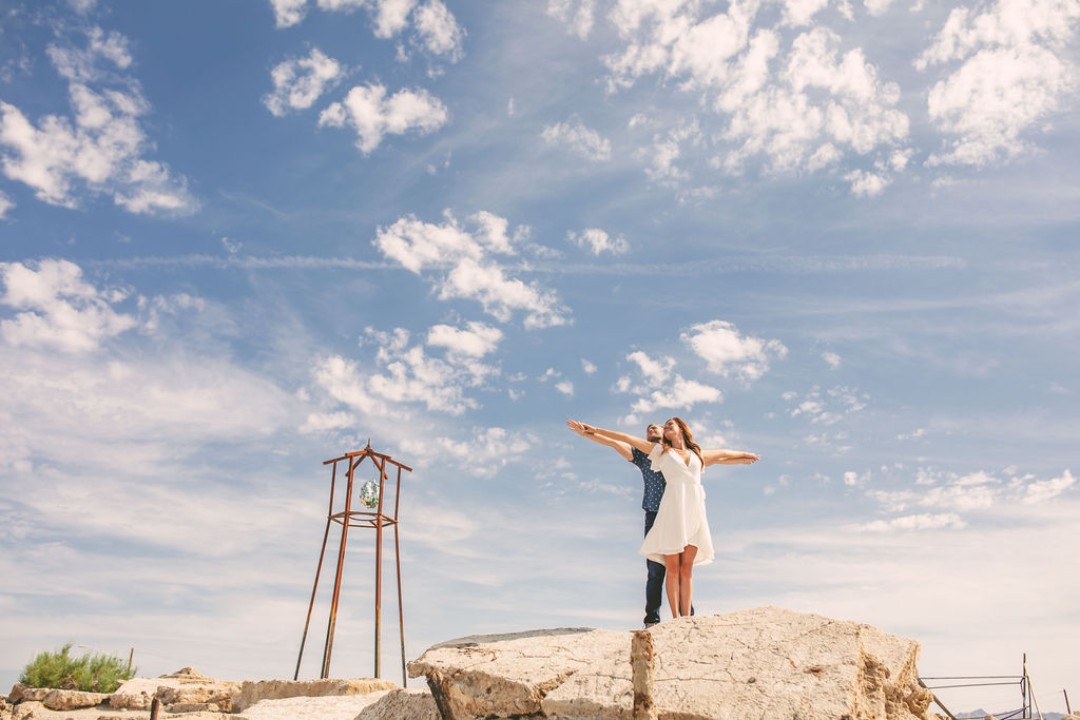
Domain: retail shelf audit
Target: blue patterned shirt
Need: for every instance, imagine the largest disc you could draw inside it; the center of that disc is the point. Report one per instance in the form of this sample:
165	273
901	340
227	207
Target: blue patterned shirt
654	481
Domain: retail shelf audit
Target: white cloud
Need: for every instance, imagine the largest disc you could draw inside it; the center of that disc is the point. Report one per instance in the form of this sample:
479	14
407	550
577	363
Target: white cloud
299	82
484	454
727	352
475	340
916	434
661	387
373	115
325	422
410	375
57	309
854	479
341	380
83	64
866	184
924	521
1042	490
101	147
288	12
667	148
681	393
342	5
460	264
392	16
121	413
878	7
579	15
802	107
579	139
6	205
598	241
436	29
1015	70
977	491
565	387
439	30
788	123
953	496
656	372
402	375
588	367
992	99
831	359
801	12
828	407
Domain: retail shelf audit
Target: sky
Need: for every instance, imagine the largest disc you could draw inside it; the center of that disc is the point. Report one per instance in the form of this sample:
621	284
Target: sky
240	239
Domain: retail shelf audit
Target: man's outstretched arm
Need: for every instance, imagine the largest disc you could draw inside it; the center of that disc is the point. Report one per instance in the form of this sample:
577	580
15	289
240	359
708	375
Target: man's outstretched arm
620	447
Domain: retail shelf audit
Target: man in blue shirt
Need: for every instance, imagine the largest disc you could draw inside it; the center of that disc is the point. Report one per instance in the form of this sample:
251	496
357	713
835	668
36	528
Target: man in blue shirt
650	503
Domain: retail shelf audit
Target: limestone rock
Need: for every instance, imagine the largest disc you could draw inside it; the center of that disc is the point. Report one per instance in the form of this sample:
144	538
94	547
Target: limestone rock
765	662
184	688
22	693
72	699
505	675
253	692
135	694
411	703
769	662
27	709
333	707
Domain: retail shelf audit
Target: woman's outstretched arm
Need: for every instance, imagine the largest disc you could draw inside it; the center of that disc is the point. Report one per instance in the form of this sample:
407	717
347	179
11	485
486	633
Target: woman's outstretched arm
584	429
728	457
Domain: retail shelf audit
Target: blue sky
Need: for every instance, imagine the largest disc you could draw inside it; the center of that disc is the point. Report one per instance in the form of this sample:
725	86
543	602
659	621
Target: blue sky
239	239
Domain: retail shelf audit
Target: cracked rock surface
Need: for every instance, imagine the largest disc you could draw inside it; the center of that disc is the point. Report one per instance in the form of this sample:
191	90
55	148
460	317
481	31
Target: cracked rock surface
766	663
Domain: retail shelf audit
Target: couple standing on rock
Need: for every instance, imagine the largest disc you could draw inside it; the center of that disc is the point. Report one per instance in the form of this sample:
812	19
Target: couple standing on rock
677	535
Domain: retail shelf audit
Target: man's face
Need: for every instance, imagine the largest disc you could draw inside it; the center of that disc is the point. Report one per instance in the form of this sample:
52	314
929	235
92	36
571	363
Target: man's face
653	433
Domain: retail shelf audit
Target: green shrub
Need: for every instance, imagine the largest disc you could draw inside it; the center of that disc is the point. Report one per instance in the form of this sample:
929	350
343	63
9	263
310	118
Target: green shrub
93	673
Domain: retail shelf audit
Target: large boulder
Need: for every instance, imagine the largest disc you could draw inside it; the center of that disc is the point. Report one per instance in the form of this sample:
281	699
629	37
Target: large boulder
775	663
765	662
496	676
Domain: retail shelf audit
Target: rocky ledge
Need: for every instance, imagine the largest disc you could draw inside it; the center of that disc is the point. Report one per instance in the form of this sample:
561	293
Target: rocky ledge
189	695
760	663
764	663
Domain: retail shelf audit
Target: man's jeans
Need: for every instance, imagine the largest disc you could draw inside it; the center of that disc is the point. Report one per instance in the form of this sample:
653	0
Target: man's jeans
654	586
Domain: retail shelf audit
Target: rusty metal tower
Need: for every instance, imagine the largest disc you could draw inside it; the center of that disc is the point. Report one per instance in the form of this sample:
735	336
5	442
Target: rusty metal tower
376	516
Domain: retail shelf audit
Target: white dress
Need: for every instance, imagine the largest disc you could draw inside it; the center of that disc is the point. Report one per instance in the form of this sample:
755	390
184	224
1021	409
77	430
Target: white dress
680	520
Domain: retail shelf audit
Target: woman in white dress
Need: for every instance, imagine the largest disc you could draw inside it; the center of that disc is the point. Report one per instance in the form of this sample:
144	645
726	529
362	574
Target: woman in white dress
680	537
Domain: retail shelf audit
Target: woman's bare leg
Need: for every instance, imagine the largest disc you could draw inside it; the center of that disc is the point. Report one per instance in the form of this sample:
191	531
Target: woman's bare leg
686	578
671	582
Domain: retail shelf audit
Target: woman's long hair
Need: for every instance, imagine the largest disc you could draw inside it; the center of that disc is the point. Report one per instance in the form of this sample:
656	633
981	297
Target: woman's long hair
688	439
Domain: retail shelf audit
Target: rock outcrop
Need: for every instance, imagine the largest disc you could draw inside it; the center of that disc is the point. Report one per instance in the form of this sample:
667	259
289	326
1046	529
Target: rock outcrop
186	690
252	692
763	663
766	662
190	695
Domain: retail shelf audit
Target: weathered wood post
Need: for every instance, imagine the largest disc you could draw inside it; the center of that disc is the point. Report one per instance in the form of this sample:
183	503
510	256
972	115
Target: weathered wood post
642	664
